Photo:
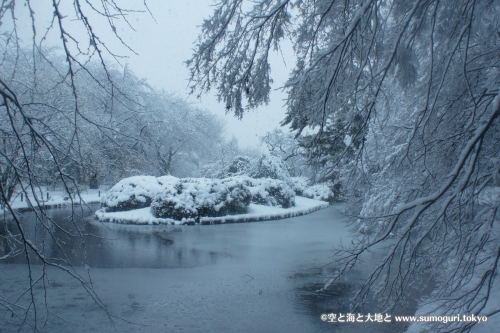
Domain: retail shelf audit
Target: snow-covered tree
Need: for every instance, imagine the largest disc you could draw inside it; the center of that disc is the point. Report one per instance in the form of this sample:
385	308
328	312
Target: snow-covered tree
49	124
269	166
178	138
403	98
259	166
228	159
289	149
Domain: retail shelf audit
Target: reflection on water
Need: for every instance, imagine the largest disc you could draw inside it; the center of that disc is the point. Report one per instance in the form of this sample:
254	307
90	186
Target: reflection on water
310	298
115	246
249	277
154	247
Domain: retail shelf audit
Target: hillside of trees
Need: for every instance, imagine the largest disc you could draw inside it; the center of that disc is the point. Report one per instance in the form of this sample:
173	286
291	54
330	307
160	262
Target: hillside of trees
121	127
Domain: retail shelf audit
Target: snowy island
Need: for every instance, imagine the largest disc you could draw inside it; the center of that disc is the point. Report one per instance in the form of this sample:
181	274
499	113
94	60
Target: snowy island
172	200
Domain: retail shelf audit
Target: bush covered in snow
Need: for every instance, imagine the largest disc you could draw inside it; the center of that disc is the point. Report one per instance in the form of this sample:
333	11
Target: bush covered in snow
271	192
199	197
269	166
322	191
266	166
131	193
241	165
193	198
166	180
299	184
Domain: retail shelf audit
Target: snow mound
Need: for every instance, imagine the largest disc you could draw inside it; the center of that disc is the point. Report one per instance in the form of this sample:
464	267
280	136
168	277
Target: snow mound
165	180
131	193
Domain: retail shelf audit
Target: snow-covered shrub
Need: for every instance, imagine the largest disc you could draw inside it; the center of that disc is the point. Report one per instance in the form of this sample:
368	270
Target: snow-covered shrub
240	195
269	166
322	191
271	192
131	193
213	170
165	180
241	165
199	197
299	184
192	198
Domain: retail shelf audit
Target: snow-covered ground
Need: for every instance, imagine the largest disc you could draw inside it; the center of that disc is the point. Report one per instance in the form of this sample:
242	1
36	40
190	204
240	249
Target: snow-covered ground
55	199
255	213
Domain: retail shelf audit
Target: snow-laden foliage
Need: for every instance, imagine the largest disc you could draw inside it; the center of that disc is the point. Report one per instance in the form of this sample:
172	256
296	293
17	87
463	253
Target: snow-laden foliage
132	193
198	197
265	166
321	191
124	127
398	101
290	150
240	166
299	184
165	180
67	118
222	158
269	166
270	192
192	198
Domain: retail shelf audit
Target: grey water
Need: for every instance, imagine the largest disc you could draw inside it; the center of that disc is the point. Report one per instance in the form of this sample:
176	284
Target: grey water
248	277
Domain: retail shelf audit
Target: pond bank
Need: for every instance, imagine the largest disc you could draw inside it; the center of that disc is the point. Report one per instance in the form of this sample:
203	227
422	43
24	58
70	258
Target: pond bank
53	199
143	216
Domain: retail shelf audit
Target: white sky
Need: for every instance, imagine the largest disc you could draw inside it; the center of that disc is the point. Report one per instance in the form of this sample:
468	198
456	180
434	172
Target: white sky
164	45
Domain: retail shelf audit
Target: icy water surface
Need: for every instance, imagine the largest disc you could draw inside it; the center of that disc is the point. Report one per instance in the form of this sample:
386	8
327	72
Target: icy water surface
249	277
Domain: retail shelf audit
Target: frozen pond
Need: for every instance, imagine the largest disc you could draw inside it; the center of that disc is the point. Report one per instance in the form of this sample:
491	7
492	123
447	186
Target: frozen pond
248	277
